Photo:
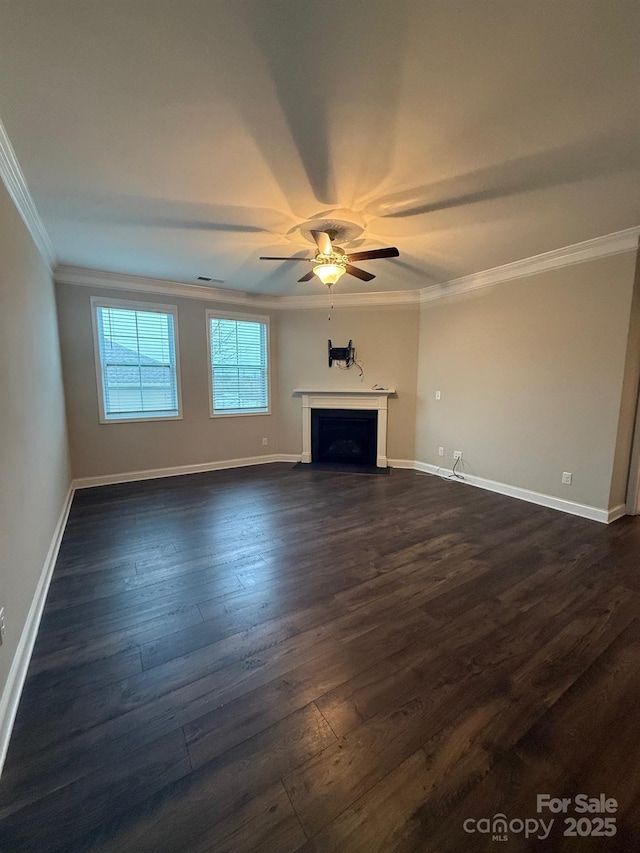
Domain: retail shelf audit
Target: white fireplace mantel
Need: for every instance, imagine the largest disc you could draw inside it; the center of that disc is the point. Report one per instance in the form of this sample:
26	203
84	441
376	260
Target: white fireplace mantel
352	398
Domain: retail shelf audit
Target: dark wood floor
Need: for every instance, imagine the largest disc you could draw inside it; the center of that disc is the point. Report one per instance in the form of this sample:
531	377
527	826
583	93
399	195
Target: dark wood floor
279	660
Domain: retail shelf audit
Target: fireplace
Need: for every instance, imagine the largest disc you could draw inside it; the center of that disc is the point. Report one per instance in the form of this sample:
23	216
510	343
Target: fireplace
358	399
344	436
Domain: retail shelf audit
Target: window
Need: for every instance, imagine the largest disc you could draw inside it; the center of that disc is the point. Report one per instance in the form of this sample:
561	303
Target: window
136	360
239	378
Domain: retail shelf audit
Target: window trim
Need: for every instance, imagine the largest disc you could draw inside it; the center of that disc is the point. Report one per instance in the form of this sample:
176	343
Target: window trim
132	305
249	318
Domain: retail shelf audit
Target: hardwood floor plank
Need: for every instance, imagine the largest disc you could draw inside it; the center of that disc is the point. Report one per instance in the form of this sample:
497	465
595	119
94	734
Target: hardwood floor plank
50	756
105	644
464	753
265	825
362	758
380	818
77	678
232	621
54	822
592	713
175	817
181	590
196	674
129	622
183	574
212	733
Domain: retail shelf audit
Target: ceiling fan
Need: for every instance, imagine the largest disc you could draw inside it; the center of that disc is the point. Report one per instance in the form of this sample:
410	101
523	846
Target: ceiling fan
332	262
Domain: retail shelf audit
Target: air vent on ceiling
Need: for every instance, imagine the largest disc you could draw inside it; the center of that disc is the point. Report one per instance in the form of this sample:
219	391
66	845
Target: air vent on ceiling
204	278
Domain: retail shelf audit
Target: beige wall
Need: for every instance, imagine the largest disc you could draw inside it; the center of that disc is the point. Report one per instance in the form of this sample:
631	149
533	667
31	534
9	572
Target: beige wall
34	465
116	448
386	342
531	375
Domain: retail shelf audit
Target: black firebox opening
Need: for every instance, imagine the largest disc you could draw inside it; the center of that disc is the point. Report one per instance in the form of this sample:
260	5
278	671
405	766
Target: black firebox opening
344	436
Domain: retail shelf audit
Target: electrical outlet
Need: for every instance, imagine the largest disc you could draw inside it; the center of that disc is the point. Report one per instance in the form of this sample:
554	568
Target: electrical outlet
567	477
2	625
265	441
441	451
437	395
457	454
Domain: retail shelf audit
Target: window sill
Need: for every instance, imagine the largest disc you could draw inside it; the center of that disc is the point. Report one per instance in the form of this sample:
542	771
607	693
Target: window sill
139	420
238	414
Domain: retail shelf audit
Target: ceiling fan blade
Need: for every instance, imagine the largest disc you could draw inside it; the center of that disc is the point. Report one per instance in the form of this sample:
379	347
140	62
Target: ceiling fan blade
262	258
390	252
358	273
307	276
323	242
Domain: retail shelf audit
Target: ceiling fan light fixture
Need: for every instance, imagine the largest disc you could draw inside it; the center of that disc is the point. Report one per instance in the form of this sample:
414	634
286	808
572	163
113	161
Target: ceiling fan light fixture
329	273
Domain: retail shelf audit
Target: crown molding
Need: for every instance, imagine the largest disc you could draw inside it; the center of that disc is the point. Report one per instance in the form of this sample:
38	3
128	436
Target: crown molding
141	284
16	184
599	247
588	250
351	300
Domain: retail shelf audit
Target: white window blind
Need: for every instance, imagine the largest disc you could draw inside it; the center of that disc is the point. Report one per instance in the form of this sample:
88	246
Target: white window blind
137	351
239	366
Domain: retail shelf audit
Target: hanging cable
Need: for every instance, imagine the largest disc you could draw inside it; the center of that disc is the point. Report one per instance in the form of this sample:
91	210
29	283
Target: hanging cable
330	301
454	474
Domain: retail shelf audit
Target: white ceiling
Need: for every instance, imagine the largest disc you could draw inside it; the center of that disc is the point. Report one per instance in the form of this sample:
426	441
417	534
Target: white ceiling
177	139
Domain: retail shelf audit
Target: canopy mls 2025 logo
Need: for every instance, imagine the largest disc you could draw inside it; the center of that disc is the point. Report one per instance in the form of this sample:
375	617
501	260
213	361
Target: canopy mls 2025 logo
594	819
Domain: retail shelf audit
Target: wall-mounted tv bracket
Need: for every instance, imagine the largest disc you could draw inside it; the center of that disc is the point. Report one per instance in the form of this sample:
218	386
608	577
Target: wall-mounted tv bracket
346	354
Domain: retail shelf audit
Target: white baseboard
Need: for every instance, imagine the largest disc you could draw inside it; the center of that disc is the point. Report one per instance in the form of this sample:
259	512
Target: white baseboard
593	513
616	512
179	470
288	457
15	682
401	463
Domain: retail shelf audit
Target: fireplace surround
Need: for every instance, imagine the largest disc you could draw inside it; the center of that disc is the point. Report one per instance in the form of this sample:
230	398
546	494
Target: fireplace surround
352	399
